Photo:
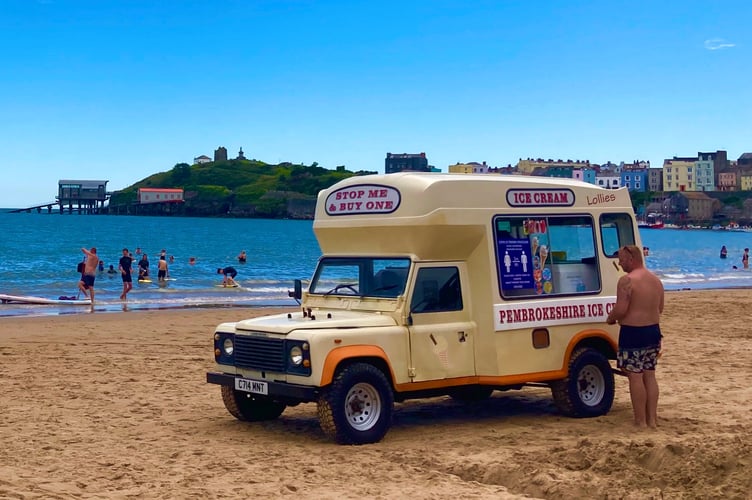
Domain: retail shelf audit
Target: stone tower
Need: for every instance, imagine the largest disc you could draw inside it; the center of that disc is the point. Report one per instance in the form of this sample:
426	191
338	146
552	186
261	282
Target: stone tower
220	154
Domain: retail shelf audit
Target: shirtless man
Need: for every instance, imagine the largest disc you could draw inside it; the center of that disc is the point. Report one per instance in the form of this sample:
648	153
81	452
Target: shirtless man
90	272
639	304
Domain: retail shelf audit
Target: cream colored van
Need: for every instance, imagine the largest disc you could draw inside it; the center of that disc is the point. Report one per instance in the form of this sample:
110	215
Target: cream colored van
439	284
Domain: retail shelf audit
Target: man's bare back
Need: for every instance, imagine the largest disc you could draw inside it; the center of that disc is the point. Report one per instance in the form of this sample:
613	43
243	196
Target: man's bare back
92	261
639	293
645	293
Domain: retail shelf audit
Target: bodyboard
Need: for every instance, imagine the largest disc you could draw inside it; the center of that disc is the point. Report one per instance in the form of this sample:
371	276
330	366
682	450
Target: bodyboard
29	299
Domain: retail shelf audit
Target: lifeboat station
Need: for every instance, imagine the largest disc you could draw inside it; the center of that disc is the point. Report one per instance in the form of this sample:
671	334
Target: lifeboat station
75	196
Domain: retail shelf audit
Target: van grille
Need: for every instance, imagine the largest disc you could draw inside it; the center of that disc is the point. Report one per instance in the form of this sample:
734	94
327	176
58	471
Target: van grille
260	353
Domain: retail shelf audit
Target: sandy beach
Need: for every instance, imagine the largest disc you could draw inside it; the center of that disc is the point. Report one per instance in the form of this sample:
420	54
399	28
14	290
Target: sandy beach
115	405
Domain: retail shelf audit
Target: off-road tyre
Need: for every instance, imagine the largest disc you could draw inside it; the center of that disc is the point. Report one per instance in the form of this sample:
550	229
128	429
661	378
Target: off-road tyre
250	407
356	408
588	389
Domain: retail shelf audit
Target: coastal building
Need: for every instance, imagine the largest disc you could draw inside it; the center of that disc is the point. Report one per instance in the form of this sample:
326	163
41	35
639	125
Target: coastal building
727	181
745	160
634	180
529	165
685	207
220	154
634	176
678	174
406	161
584	175
608	180
704	175
241	156
88	196
720	163
201	159
610	167
508	170
468	168
745	180
655	179
159	195
562	172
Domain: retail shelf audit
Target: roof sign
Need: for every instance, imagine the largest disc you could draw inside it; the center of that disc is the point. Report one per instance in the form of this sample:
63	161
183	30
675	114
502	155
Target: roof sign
363	199
540	197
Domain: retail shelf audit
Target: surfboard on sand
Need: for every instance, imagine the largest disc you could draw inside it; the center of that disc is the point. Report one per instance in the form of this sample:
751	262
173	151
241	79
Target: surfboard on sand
28	299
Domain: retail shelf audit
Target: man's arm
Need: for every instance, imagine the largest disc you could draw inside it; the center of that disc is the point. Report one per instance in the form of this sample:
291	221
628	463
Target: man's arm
623	293
660	303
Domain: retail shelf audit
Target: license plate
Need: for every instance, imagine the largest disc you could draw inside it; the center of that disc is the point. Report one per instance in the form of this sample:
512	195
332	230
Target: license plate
254	386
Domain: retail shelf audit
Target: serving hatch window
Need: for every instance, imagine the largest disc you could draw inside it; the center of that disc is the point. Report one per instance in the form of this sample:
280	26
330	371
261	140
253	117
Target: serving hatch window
617	230
546	255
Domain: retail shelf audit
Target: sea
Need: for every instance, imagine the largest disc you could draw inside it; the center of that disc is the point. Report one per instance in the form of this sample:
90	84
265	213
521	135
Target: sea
39	253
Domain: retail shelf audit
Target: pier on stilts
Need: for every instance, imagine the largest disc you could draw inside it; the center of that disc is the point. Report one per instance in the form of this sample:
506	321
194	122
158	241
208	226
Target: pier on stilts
74	196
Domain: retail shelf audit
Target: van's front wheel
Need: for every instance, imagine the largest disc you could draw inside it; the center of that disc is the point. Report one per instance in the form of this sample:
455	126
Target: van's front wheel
588	389
357	407
250	407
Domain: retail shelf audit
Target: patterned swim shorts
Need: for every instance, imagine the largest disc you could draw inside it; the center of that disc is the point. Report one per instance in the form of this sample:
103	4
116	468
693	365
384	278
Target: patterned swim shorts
638	360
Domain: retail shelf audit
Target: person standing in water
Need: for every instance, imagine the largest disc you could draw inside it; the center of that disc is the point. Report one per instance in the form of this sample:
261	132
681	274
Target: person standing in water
125	266
90	273
162	268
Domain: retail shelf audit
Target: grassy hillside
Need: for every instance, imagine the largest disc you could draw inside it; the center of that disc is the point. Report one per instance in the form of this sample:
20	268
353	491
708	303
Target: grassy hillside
244	188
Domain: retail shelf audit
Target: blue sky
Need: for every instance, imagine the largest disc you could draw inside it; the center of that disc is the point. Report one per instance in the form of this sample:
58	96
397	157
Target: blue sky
119	90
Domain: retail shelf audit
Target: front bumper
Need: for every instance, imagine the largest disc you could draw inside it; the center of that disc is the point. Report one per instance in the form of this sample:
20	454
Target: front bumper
281	390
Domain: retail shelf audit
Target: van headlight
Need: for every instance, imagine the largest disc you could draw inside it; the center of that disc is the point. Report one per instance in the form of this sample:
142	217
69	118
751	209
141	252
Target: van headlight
227	346
296	355
224	348
298	358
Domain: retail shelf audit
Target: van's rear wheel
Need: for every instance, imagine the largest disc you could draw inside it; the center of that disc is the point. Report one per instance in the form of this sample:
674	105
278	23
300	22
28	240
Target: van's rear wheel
250	407
588	389
357	407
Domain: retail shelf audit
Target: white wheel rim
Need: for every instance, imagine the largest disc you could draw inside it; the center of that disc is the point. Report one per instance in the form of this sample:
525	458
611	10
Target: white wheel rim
362	406
591	385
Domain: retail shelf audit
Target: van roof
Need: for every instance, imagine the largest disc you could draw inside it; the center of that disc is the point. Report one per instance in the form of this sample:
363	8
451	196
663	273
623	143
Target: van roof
423	213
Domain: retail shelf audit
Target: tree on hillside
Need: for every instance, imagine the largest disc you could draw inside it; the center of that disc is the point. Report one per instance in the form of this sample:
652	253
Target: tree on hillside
181	174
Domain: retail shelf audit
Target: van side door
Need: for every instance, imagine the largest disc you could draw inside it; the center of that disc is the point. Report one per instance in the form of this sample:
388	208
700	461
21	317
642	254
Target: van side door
441	334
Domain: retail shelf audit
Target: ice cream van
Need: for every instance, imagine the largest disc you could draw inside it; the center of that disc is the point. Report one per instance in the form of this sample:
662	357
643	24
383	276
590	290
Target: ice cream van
439	284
